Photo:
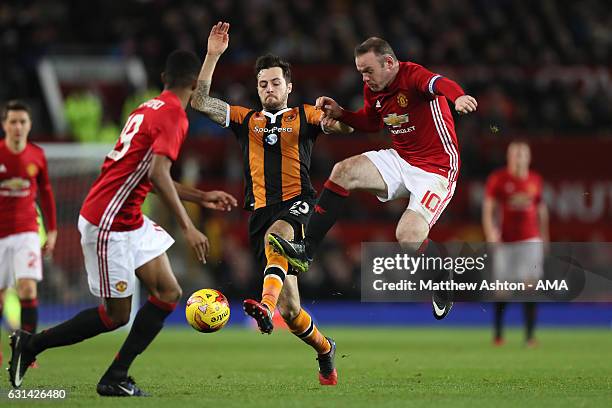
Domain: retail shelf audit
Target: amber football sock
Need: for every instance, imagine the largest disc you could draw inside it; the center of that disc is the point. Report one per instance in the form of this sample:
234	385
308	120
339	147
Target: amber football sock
304	328
274	277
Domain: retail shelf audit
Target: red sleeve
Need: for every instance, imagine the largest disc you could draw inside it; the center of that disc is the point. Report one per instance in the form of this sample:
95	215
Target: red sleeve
491	188
47	201
446	87
434	84
365	119
360	120
169	133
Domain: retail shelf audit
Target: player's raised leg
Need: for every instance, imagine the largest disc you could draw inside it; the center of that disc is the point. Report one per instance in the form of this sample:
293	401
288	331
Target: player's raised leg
165	292
354	173
301	324
275	273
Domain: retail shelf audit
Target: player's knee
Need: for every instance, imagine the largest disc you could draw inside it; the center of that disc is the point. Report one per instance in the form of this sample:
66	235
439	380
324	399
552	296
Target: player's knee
176	294
118	317
26	290
170	295
289	311
343	174
281	228
410	239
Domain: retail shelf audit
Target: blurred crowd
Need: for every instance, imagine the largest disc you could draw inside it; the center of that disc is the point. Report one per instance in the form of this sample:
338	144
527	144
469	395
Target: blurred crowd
539	66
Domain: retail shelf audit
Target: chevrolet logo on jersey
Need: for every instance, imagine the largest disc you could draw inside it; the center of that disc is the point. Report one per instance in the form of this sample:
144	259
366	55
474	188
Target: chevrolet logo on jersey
395	120
15	183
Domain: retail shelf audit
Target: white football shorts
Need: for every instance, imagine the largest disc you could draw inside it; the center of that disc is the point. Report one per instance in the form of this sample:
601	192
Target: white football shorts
112	257
521	261
20	258
429	193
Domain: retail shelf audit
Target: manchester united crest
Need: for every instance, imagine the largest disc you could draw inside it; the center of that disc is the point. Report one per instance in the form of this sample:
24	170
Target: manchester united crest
32	170
121	286
402	100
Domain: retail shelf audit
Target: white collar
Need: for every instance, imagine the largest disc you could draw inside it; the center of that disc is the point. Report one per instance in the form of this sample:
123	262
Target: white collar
273	116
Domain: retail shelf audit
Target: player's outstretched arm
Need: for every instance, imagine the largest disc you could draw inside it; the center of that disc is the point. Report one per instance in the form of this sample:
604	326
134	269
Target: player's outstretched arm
363	120
159	175
440	85
215	200
214	108
331	125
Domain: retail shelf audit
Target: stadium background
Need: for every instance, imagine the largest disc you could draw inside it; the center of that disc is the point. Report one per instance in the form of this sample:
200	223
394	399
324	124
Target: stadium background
540	71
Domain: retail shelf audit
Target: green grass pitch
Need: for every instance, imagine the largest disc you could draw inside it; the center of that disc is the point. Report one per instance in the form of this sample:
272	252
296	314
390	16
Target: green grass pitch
394	367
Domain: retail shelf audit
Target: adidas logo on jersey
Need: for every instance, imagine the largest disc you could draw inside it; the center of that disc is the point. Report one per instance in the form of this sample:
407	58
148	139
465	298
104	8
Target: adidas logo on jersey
2	168
377	103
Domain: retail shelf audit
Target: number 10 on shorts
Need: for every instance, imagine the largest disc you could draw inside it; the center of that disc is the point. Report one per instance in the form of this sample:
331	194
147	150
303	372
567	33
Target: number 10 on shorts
431	201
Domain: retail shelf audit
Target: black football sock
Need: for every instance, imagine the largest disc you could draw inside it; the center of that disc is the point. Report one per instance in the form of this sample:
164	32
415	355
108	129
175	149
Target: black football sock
147	324
326	211
430	249
86	324
29	314
530	318
499	317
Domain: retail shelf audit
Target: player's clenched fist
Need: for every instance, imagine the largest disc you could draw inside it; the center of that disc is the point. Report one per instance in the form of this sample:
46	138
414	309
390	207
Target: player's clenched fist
329	106
328	122
218	40
465	104
198	242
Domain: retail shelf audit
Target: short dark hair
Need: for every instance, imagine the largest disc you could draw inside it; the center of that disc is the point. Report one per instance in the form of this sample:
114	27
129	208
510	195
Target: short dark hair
182	68
271	61
377	45
15	105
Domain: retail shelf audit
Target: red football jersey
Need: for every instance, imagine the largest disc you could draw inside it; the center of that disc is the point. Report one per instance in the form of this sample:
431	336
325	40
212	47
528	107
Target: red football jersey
518	200
158	126
22	177
420	122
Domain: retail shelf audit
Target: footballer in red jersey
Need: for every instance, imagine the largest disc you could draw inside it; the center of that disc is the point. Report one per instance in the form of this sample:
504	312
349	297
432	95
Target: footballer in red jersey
119	243
410	102
23	177
515	218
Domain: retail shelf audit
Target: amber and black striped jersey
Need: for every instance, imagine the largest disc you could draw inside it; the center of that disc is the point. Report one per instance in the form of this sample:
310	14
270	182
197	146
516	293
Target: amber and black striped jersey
276	150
